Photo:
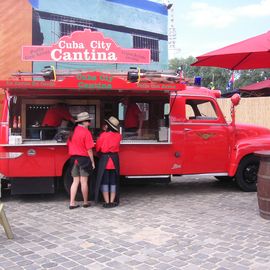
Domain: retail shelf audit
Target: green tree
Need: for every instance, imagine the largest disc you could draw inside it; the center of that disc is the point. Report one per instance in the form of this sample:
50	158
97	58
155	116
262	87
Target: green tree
219	76
246	77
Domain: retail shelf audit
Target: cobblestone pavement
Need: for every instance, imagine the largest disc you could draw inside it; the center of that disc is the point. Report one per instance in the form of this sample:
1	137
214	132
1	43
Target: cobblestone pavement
192	223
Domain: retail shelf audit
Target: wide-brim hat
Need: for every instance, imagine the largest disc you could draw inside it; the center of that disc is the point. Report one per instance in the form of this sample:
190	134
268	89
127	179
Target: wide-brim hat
84	116
113	122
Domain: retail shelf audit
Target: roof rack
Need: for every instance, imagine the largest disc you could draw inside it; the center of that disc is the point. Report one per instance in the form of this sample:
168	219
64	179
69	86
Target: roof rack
134	74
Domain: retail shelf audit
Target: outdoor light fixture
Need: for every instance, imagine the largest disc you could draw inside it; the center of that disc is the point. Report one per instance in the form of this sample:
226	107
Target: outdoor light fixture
48	73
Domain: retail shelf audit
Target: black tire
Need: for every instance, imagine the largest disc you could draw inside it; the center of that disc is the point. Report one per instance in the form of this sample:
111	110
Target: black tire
246	175
67	181
224	178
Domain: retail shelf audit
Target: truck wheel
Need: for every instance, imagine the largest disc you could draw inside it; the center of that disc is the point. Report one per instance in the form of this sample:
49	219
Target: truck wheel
224	178
246	176
67	179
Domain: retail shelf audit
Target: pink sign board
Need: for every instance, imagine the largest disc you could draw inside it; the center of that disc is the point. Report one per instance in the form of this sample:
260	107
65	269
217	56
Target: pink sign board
86	46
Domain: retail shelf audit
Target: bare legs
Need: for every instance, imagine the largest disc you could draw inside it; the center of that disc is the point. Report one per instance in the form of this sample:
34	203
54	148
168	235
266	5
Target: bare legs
84	188
112	198
108	198
108	188
74	188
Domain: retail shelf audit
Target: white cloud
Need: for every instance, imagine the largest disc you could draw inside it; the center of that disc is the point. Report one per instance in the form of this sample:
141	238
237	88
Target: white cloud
254	10
204	15
191	48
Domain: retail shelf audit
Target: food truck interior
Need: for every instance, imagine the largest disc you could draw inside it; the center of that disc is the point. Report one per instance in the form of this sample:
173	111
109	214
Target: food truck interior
27	113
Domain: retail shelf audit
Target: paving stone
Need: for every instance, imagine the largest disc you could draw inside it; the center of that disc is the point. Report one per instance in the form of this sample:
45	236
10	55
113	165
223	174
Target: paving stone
133	263
49	265
7	264
85	262
208	265
60	260
84	268
69	264
59	267
144	267
162	266
115	264
24	263
12	268
178	263
152	262
10	254
34	266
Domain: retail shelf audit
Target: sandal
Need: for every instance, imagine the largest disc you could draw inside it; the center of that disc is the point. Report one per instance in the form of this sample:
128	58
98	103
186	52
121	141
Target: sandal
73	206
113	204
87	205
106	205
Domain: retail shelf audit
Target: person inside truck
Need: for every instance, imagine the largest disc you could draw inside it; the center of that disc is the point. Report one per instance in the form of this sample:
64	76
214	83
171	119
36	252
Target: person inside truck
53	119
80	145
133	120
107	145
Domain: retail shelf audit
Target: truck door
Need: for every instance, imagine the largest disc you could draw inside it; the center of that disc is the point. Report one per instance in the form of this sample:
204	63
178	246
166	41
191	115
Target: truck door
206	137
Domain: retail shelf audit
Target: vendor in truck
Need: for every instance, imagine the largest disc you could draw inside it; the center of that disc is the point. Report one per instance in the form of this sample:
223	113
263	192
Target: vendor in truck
53	119
133	117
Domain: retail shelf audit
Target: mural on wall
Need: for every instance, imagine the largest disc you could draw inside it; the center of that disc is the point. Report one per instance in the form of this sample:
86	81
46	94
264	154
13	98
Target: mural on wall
144	27
37	35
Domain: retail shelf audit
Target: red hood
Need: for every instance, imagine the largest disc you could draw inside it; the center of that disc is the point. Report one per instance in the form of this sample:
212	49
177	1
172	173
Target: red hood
247	131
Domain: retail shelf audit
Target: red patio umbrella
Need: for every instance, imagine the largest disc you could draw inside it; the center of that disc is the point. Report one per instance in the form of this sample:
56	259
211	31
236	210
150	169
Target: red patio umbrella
251	53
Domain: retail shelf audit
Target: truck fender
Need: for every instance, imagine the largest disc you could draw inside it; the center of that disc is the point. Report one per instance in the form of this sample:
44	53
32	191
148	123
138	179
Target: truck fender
245	172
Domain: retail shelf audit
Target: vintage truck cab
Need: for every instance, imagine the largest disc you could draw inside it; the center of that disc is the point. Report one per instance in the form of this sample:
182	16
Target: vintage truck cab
184	130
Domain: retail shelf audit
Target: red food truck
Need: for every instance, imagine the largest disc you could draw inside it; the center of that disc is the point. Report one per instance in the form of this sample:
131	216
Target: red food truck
184	130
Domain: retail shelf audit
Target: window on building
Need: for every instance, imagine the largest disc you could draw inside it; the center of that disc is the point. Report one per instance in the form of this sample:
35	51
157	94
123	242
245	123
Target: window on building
67	28
147	43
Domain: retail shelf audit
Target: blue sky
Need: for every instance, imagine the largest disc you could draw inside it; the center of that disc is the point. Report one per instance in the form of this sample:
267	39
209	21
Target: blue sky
203	26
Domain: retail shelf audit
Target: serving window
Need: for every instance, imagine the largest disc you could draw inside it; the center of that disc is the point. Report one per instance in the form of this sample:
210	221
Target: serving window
33	112
155	119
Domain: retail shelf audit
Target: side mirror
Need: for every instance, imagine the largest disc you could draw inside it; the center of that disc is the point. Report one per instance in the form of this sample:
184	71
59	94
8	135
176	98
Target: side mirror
235	99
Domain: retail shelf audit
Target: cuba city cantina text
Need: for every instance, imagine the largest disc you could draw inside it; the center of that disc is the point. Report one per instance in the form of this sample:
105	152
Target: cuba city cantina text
94	82
83	53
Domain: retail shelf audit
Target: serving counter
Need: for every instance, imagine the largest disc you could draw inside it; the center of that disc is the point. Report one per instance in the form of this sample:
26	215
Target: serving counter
55	143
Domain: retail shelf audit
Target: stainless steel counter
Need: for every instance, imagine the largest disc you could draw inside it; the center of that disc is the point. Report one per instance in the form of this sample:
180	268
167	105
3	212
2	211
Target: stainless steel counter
55	143
143	142
35	143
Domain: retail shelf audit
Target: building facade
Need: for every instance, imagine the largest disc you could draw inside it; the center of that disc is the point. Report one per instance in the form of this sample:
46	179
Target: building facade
131	24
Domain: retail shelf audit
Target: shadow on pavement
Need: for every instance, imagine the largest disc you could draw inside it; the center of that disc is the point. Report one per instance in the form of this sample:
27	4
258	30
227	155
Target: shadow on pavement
135	187
180	186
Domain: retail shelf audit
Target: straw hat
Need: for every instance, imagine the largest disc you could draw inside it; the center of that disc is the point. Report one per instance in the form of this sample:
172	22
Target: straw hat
113	122
84	116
